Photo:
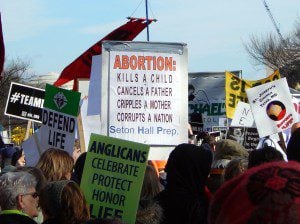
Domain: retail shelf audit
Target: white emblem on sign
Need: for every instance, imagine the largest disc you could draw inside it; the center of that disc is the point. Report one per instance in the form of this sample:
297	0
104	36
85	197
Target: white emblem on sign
60	100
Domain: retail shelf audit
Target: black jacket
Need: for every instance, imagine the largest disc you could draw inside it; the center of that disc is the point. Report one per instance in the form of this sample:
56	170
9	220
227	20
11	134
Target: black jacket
15	219
184	201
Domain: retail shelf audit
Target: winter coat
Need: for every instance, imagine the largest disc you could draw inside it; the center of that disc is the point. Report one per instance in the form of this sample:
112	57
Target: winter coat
184	199
14	217
149	212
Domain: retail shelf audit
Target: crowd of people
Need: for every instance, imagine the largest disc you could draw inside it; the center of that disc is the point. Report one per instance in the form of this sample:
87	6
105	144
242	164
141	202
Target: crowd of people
215	182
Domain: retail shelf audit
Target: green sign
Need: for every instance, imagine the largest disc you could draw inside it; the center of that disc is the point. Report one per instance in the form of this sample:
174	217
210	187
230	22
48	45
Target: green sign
62	100
113	176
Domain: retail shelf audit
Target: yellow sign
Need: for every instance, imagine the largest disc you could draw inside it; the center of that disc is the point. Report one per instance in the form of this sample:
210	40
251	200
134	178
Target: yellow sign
235	90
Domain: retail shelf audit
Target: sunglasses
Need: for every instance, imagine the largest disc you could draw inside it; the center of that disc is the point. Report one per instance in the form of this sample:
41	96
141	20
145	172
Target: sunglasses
33	194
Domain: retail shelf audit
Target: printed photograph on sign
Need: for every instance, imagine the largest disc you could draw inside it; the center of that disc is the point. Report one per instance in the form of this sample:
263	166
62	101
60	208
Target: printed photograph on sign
206	99
237	134
276	110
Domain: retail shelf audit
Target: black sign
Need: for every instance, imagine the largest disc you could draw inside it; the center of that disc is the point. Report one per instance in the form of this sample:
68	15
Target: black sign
25	102
248	137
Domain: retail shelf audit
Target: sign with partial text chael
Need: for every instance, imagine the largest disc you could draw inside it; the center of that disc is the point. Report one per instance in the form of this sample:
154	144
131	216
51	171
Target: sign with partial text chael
206	98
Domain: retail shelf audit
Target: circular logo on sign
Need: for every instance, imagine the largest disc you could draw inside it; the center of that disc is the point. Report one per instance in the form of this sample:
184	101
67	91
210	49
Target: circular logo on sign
60	100
276	110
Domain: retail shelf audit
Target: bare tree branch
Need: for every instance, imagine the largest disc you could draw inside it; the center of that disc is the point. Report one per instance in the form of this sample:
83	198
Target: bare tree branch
14	71
276	54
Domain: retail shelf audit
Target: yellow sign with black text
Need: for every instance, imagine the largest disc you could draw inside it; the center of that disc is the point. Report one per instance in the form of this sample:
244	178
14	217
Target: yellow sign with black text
235	90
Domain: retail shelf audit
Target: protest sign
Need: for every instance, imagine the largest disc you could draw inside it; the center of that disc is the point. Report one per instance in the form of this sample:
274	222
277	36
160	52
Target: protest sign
235	89
245	136
113	176
237	134
272	107
206	98
34	147
59	118
145	92
62	100
25	102
251	139
94	103
222	129
296	103
91	123
242	115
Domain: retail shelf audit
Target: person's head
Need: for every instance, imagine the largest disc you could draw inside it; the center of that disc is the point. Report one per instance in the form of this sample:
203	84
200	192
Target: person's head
7	154
56	164
37	173
295	127
64	201
293	152
78	168
210	140
18	158
188	167
76	150
17	192
229	149
237	132
269	193
2	144
191	89
226	150
235	167
151	185
264	155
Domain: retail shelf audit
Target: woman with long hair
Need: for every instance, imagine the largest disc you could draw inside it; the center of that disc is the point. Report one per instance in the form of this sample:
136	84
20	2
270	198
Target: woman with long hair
56	165
63	202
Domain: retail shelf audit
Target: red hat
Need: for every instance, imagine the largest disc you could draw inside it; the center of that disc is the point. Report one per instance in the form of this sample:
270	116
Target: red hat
269	193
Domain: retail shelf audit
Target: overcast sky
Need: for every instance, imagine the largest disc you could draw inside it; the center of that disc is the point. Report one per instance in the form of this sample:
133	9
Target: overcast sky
51	34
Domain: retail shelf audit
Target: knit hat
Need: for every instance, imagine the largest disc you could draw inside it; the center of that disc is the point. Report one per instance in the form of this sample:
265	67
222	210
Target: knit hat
229	149
8	152
226	150
53	191
269	193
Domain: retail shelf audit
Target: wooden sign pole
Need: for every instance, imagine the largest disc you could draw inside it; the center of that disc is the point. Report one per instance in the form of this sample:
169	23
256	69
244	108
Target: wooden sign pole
282	142
28	130
80	133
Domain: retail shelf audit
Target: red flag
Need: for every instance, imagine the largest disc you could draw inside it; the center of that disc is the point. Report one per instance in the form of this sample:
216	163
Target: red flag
2	50
81	67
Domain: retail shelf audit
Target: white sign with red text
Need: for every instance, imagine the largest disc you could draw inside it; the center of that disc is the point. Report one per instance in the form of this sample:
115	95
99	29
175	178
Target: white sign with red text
272	107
